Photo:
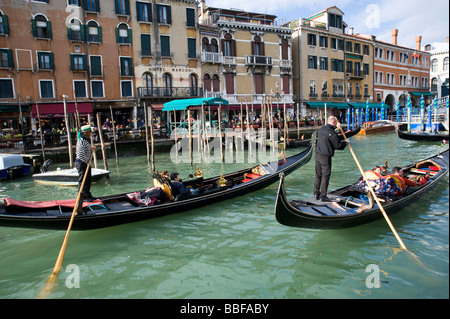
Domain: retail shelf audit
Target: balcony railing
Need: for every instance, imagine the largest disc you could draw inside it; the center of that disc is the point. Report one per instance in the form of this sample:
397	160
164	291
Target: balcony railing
356	74
212	57
251	60
173	92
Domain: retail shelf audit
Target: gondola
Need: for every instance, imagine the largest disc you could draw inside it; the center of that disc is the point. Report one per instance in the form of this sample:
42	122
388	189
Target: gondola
124	208
424	137
348	209
302	143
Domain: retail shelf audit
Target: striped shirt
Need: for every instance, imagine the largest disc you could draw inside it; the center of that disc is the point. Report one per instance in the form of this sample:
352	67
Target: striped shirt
83	150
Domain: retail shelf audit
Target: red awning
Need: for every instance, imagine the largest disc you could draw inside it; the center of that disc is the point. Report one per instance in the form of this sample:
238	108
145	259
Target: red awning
57	109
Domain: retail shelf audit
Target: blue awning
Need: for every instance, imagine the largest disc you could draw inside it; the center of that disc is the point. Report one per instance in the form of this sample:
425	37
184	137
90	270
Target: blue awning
183	104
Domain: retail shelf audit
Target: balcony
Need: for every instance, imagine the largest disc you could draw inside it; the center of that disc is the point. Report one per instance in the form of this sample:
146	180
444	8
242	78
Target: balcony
212	57
356	75
257	60
173	92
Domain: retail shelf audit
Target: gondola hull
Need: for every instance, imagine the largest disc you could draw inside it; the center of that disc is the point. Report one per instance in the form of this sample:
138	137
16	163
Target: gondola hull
119	209
310	213
424	137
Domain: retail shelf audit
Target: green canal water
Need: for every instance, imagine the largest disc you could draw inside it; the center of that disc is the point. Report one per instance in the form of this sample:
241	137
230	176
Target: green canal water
236	248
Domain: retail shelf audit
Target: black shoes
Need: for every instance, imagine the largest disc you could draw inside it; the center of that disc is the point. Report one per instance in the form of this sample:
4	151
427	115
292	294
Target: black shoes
90	199
325	199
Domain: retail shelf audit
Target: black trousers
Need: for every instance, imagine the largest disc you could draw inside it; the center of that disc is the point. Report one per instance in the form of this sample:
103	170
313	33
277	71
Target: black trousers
323	173
81	168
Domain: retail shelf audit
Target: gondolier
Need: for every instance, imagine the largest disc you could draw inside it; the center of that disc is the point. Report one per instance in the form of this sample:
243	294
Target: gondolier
83	156
327	142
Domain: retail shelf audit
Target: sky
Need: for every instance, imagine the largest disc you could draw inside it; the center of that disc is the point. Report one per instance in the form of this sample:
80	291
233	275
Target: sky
429	18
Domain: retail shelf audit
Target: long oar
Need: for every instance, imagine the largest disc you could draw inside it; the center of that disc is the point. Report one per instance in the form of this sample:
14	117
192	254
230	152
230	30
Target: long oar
373	194
51	281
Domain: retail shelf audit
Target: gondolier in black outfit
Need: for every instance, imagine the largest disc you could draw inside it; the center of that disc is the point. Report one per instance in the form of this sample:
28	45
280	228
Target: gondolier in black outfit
327	142
83	156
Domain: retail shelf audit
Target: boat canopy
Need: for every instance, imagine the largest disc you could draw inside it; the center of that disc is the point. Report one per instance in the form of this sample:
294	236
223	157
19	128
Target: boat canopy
183	104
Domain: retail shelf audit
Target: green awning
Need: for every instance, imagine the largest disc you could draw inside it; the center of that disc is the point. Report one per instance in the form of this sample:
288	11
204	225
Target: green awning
183	104
13	108
371	105
419	94
330	105
354	57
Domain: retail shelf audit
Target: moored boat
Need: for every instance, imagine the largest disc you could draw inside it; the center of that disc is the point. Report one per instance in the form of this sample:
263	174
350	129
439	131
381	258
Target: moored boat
425	137
382	126
67	177
352	206
128	207
12	165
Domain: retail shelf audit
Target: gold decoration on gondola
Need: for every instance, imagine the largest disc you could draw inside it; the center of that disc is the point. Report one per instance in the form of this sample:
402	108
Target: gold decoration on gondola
222	182
259	170
198	173
385	166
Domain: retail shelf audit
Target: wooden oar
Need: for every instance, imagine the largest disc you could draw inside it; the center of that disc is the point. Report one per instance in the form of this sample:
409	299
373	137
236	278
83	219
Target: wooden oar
373	193
51	281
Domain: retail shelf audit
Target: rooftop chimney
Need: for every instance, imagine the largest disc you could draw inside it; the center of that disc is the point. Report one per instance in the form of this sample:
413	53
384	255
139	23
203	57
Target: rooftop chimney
418	42
350	31
394	33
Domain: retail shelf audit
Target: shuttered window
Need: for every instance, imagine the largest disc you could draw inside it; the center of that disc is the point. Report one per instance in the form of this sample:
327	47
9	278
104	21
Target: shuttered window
165	45
145	45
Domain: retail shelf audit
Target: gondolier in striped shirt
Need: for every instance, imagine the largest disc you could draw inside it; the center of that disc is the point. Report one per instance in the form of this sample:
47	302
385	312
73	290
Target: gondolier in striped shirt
83	156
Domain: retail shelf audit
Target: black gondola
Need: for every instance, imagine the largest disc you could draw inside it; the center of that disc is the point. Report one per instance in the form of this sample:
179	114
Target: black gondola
119	209
425	137
347	209
306	142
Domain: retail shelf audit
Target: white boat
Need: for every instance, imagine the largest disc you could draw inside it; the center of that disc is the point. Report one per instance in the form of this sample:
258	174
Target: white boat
12	165
67	177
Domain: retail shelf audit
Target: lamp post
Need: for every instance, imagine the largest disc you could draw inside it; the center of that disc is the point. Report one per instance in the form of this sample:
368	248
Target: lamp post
277	95
69	139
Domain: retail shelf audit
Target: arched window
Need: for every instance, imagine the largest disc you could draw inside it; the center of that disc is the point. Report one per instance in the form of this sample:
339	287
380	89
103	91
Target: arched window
257	46
205	45
228	45
434	84
214	46
75	32
207	82
94	32
284	49
167	84
41	27
193	79
216	83
446	64
147	82
434	65
123	33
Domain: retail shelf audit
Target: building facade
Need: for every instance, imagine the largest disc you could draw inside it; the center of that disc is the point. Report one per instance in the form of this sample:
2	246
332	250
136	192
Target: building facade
331	68
245	57
89	59
439	68
399	72
166	55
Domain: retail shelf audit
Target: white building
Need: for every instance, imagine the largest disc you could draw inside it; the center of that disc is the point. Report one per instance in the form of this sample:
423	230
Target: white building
439	68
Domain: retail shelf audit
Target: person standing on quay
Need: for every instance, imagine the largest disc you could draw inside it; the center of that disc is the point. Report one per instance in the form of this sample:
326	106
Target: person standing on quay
83	156
327	142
